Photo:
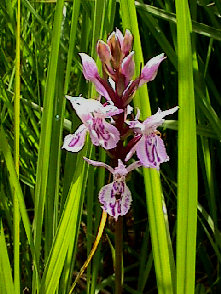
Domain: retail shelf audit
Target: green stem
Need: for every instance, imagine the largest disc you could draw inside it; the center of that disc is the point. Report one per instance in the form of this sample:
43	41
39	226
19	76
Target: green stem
119	255
16	213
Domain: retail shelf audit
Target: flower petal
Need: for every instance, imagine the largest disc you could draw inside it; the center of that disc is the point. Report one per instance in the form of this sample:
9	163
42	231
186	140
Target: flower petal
103	134
133	166
137	126
151	151
83	105
131	152
85	108
111	110
116	198
99	163
75	142
90	73
156	119
149	71
101	89
90	70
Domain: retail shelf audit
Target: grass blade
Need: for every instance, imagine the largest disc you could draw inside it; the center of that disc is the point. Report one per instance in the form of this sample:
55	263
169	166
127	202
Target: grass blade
187	156
46	128
65	233
16	215
6	281
198	28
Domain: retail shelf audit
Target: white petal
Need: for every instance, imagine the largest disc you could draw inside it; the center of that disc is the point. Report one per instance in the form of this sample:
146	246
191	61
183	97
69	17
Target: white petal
133	166
156	119
99	163
75	142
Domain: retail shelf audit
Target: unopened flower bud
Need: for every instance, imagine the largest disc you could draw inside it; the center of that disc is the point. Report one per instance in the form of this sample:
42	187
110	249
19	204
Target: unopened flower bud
103	50
115	48
127	67
127	43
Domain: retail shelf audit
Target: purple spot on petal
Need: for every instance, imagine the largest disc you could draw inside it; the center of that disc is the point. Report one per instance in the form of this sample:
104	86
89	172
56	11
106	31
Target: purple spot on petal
112	206
151	150
74	141
99	128
118	207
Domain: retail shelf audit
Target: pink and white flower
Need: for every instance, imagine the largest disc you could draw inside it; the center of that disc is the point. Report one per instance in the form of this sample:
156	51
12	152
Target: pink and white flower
93	114
150	148
116	196
90	72
150	69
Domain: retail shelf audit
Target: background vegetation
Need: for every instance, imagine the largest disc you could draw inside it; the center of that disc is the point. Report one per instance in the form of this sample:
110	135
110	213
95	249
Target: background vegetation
49	210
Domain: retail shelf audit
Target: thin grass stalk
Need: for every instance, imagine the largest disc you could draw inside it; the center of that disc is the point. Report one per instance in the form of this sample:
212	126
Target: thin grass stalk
187	156
161	244
16	214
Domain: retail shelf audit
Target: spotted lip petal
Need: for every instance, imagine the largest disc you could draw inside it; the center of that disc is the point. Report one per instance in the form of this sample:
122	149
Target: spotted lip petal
115	199
103	133
151	151
116	196
150	148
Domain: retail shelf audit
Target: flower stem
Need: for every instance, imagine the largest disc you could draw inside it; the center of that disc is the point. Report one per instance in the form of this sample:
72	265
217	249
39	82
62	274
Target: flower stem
119	255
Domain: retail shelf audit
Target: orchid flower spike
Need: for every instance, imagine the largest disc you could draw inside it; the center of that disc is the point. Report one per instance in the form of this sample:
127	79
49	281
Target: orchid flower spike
150	148
93	114
116	196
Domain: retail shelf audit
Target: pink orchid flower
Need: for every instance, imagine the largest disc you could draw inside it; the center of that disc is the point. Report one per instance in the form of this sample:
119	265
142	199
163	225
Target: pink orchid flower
150	148
90	72
150	69
116	196
93	114
148	74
